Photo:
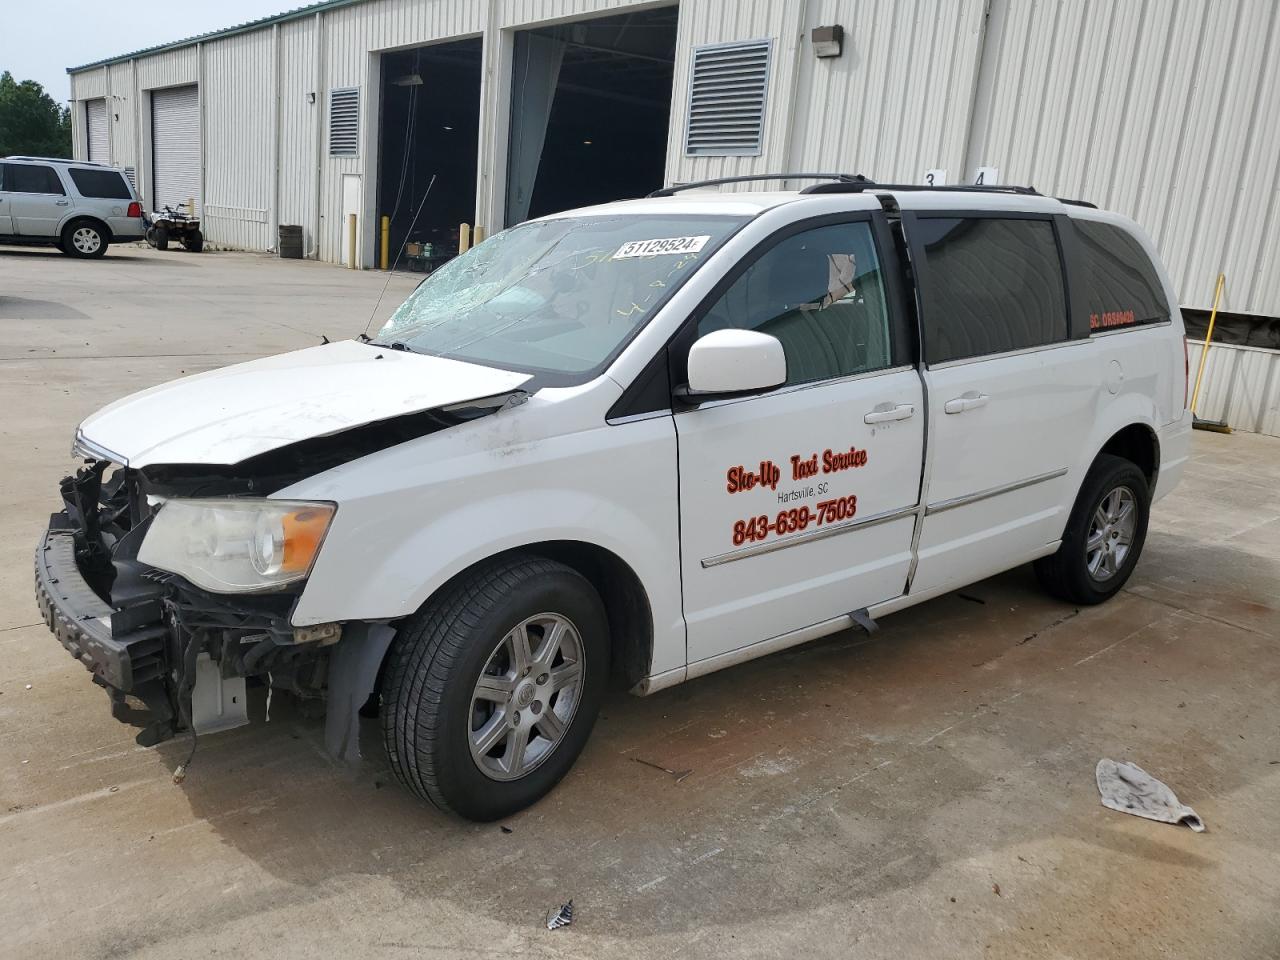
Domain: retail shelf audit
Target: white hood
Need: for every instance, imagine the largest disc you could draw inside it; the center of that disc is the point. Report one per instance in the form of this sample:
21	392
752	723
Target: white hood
228	415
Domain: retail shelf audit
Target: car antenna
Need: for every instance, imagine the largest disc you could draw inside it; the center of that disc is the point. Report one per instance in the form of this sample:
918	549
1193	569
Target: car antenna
364	336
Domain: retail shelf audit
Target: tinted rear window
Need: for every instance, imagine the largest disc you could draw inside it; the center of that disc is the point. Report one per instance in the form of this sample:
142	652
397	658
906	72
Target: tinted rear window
102	184
30	178
992	285
1124	288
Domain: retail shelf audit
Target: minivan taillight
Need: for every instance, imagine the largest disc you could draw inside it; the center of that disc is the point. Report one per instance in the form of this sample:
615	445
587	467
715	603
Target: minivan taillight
135	209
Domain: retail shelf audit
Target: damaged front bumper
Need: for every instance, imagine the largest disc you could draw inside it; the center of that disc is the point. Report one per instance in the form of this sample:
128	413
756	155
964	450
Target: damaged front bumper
125	650
170	655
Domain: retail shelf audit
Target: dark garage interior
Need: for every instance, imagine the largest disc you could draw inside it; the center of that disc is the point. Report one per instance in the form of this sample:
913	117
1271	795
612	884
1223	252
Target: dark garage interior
429	126
590	105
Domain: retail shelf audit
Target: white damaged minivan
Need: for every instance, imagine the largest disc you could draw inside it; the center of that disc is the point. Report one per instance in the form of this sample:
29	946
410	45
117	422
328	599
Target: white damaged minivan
625	446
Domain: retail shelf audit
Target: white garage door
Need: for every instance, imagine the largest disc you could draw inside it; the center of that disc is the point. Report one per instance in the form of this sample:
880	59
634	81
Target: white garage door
175	147
96	114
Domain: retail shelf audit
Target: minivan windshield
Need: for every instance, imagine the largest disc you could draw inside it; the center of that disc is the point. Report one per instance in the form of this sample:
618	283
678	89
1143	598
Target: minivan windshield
558	296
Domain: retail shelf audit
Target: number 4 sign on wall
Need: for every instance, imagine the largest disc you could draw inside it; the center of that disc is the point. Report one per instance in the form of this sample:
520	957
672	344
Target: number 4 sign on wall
986	175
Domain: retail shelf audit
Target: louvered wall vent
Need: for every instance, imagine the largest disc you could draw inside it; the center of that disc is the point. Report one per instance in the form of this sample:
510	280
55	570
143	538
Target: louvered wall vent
727	98
344	122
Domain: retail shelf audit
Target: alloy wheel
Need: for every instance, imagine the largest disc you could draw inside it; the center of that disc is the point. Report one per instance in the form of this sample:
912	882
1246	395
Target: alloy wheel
86	240
1111	532
525	698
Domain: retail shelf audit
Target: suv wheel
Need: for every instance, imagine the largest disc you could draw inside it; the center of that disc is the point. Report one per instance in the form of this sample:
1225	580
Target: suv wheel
84	238
1104	536
492	688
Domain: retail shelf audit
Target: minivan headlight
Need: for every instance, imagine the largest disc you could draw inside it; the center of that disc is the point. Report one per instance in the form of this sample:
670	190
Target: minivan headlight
237	546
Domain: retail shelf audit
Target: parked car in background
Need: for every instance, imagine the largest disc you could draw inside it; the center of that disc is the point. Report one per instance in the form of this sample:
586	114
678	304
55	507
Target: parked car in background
81	208
635	443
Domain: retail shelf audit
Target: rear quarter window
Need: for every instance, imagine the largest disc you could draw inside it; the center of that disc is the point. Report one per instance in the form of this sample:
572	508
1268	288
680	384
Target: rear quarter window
993	285
100	184
1124	289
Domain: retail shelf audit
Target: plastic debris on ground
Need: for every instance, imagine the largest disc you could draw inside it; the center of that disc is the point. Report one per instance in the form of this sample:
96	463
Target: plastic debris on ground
1127	788
560	918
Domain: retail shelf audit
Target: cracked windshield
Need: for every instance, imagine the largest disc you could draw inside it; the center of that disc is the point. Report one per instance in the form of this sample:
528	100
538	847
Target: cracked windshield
559	295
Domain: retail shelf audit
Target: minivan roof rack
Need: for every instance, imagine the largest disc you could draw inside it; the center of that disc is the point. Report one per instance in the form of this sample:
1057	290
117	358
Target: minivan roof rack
954	188
841	178
857	183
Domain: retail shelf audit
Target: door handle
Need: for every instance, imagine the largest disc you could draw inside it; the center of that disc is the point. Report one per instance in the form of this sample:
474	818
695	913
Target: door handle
885	412
966	401
61	203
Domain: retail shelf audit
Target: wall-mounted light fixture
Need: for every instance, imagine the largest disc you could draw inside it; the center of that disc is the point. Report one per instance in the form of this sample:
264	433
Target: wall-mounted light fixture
311	97
828	41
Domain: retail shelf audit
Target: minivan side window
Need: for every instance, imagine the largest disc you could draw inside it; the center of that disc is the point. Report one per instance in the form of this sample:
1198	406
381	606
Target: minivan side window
100	184
822	294
1124	288
991	285
31	178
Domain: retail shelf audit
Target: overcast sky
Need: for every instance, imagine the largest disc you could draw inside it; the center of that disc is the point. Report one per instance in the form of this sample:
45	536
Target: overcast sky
39	39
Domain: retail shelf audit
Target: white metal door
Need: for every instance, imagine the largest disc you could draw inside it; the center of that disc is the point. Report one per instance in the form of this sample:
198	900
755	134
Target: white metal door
797	506
1011	398
99	145
351	197
175	147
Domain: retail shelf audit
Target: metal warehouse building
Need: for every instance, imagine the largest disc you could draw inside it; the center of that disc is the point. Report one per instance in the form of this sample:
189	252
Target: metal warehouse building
1168	110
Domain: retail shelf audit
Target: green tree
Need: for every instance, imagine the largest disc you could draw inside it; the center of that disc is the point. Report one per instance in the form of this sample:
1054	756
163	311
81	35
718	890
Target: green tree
31	121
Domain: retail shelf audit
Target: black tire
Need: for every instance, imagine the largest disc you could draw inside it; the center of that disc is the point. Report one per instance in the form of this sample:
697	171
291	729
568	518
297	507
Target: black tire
194	241
436	660
161	237
1066	574
84	239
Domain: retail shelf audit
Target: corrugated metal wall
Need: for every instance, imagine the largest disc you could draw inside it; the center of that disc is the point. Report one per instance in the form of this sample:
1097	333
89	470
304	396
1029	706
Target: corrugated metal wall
1164	110
300	113
240	140
1241	386
1161	109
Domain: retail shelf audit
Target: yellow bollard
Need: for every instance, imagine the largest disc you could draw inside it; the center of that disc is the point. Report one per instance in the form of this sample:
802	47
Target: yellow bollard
191	206
464	237
351	240
386	240
479	234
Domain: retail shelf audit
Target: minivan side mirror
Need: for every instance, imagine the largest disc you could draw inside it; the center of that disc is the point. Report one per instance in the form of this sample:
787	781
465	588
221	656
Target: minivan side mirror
726	362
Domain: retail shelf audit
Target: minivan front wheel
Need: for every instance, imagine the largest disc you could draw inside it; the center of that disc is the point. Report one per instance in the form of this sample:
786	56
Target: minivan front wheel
492	688
1104	536
84	239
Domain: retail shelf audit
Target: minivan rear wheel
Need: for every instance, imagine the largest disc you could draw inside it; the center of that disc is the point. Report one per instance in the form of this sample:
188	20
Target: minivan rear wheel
1104	536
492	689
84	239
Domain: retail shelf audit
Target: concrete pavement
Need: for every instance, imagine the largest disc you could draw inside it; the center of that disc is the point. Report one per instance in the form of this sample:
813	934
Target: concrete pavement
925	793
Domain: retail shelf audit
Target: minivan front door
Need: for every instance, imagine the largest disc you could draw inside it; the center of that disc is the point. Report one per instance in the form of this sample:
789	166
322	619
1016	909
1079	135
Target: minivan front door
35	198
797	505
1011	395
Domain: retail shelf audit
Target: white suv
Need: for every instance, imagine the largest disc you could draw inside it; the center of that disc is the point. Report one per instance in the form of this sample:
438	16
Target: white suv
634	443
79	207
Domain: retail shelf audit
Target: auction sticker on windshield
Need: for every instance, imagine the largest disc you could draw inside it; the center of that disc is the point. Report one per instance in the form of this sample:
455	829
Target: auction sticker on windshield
653	248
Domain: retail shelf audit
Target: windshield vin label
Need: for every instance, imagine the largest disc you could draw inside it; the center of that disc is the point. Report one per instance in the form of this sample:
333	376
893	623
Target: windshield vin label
654	248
